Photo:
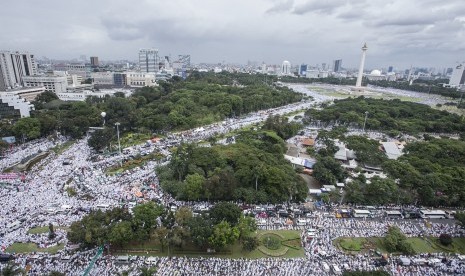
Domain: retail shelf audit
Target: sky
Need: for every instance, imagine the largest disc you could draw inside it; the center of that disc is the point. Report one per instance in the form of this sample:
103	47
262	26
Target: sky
401	33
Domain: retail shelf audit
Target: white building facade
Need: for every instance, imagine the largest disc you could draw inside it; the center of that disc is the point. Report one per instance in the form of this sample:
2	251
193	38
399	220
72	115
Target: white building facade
13	67
55	84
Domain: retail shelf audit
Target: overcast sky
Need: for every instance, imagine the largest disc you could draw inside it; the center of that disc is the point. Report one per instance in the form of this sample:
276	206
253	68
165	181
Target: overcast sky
422	33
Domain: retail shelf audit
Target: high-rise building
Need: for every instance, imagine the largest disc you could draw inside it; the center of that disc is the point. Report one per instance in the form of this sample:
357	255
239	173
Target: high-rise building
337	65
286	68
390	69
458	76
94	61
303	69
149	61
13	67
185	60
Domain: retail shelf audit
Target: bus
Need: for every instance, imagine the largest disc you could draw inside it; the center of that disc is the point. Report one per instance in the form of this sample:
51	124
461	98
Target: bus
394	214
360	213
433	214
103	206
13	226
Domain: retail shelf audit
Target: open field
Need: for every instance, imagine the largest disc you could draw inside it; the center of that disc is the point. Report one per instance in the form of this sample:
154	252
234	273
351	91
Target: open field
32	247
345	93
420	245
289	247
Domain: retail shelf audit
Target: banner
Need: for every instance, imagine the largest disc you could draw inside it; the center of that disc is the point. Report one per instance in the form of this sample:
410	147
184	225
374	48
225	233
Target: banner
9	176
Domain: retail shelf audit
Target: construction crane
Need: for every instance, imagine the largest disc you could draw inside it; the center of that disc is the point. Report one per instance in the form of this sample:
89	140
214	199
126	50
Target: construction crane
92	262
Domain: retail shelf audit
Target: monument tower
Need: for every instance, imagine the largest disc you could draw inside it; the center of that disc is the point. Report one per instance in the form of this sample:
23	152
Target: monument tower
358	84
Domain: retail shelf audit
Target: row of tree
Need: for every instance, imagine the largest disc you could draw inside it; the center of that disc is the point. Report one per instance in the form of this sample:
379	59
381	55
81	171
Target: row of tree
175	104
393	116
224	225
431	172
252	170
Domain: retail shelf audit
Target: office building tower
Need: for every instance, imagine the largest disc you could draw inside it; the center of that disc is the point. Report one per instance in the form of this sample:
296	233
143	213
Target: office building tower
13	67
185	60
149	61
458	76
286	68
94	61
337	65
390	69
362	64
303	69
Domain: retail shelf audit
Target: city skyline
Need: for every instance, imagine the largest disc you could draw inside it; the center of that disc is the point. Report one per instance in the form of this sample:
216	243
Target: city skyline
400	34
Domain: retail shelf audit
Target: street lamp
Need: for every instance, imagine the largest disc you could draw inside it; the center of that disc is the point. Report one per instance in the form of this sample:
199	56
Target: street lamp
364	123
117	124
103	114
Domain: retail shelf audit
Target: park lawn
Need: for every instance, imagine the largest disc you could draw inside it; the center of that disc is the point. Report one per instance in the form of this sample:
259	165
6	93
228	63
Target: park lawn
153	248
61	148
420	245
132	139
134	163
355	244
32	247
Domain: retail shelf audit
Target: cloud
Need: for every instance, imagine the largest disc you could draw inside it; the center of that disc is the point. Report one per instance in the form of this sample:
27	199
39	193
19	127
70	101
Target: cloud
301	31
318	6
120	30
281	7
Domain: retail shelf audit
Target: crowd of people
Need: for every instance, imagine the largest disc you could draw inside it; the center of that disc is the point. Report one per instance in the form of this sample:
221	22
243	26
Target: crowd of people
45	197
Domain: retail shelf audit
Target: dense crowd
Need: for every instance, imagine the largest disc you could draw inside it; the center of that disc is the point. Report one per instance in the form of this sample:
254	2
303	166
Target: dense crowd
44	198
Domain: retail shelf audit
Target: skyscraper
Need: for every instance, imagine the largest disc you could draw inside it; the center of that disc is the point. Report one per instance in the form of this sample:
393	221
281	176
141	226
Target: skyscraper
458	76
337	65
390	69
286	68
13	67
94	61
303	69
149	61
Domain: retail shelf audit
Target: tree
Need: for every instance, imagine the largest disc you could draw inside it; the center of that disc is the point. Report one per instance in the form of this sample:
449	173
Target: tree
226	211
250	243
101	138
183	215
396	241
246	226
56	273
145	217
51	231
30	127
193	186
223	235
121	233
200	228
11	269
147	271
445	239
460	218
161	234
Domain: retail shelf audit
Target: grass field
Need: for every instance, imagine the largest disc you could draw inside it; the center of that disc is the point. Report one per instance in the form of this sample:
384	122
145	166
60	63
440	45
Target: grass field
153	248
61	148
420	245
32	247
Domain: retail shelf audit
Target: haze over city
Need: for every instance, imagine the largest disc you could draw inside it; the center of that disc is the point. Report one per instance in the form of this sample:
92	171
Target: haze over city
399	33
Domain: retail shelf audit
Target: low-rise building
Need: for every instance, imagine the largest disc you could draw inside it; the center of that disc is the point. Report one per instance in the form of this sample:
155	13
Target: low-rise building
55	84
